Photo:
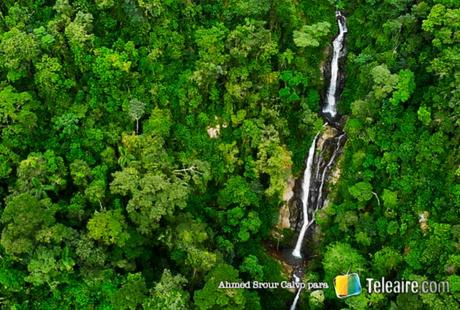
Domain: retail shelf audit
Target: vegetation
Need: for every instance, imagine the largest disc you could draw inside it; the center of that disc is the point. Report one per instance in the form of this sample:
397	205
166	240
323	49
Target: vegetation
113	195
145	147
395	212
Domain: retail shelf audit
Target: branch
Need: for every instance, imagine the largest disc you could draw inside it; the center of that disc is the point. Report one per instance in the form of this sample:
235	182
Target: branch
191	168
378	200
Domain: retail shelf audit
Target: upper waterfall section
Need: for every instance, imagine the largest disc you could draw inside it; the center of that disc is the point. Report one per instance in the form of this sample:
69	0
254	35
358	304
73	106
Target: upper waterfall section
330	107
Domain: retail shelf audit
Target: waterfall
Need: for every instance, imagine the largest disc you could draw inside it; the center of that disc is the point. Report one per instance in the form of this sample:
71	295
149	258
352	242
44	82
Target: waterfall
319	203
313	183
305	194
297	295
331	109
296	299
331	106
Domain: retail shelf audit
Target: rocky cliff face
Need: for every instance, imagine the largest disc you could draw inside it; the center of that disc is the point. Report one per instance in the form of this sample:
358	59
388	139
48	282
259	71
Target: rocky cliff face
284	214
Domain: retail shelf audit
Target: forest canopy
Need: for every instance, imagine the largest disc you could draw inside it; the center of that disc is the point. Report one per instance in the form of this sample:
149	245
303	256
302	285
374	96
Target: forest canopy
146	146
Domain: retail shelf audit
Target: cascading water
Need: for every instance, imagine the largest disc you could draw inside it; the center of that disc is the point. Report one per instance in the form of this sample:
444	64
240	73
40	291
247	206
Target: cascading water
297	295
305	194
296	299
331	109
315	174
319	202
331	104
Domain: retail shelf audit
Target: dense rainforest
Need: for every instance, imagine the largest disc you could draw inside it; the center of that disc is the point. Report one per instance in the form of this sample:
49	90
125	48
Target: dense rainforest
146	146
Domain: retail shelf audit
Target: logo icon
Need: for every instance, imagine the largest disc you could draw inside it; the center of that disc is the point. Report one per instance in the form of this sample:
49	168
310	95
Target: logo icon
347	285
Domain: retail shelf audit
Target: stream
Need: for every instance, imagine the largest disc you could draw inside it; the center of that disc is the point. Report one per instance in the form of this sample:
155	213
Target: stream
322	153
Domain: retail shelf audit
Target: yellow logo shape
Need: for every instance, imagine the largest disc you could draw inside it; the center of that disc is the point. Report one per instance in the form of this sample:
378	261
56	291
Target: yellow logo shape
347	285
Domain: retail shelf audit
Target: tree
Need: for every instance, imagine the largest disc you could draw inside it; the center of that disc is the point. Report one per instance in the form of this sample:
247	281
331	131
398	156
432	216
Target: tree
49	266
136	111
41	172
251	266
17	50
155	197
12	103
309	35
50	82
390	199
385	261
188	244
108	227
424	115
168	293
340	258
404	88
384	81
131	294
211	296
159	123
211	47
237	191
23	218
80	172
95	192
362	191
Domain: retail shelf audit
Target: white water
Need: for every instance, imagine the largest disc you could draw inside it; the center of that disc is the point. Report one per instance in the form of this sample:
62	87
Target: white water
326	169
296	299
305	194
320	161
331	106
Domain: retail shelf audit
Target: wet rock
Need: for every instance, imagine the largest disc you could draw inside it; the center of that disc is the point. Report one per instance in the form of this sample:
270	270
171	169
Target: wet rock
329	133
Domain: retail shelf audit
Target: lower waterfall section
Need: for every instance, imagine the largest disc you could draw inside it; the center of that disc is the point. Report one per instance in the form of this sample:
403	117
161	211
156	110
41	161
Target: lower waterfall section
322	156
305	201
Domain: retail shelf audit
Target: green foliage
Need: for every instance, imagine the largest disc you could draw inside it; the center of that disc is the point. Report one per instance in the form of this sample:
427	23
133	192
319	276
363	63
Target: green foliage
131	294
168	293
362	191
238	192
17	50
188	243
424	115
11	102
404	88
159	123
385	261
136	110
108	227
341	258
252	267
395	202
211	296
146	145
390	199
23	218
309	35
